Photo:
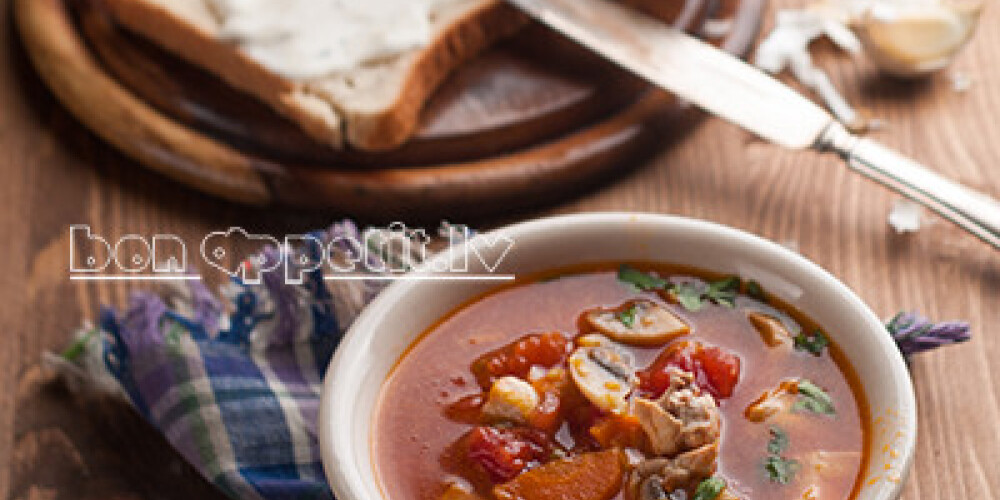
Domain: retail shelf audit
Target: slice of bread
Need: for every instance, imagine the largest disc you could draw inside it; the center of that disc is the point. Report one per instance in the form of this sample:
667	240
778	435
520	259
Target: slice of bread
374	107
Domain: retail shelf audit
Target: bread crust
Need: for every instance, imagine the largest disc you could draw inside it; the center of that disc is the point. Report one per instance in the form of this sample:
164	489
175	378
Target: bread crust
323	108
449	50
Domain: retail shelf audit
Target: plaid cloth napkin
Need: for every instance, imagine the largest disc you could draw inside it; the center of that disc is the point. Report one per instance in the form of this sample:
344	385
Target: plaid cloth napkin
234	383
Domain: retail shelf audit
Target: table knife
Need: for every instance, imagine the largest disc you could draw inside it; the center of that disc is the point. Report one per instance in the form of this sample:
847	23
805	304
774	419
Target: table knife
729	88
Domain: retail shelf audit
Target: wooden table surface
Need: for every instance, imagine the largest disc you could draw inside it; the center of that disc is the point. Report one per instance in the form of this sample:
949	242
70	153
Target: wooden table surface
53	173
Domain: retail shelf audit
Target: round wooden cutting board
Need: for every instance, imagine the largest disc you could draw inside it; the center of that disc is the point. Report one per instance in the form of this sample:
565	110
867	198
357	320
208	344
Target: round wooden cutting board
532	119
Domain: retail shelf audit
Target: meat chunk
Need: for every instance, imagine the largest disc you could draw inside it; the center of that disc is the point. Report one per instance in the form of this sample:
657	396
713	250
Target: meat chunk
682	429
656	478
510	400
682	419
662	429
640	322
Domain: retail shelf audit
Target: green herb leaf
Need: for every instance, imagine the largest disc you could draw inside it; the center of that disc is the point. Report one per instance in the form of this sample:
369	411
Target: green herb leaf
781	470
693	296
755	291
814	343
627	317
723	292
778	442
729	284
689	295
813	399
639	279
709	489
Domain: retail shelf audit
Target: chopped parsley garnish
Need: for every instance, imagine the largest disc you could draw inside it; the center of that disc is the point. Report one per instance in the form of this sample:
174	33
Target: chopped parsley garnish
709	489
781	470
691	294
778	468
813	399
814	343
639	279
778	442
755	291
724	291
627	317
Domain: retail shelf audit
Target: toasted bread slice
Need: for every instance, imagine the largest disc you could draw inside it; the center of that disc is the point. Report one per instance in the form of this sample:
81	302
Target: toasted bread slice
374	107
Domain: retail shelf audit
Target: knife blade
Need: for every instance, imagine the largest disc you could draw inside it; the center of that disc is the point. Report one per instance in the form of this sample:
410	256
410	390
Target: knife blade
688	67
729	88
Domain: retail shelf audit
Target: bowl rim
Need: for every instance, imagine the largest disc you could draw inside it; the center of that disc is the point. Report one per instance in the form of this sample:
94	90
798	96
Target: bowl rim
345	483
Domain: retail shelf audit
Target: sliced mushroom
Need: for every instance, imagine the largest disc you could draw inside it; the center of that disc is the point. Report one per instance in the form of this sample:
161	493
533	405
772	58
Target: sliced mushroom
772	331
603	373
652	489
777	400
640	322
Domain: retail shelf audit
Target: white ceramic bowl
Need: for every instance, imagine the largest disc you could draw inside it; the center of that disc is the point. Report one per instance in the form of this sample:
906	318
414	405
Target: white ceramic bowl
405	309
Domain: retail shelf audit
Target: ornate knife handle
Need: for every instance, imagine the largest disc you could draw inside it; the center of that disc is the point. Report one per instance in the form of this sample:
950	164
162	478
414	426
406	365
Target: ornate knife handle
971	210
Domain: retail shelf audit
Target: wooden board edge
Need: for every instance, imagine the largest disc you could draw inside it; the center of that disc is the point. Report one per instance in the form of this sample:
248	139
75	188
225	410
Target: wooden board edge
64	62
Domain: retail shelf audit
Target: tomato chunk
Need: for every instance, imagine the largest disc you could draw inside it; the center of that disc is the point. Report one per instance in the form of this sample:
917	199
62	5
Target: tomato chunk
716	370
468	409
721	370
538	349
505	453
548	414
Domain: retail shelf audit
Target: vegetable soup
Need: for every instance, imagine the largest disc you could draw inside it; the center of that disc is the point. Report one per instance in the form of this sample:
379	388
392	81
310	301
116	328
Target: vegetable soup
634	382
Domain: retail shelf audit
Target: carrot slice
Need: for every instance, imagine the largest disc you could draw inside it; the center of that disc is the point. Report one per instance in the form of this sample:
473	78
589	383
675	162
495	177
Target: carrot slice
618	430
589	476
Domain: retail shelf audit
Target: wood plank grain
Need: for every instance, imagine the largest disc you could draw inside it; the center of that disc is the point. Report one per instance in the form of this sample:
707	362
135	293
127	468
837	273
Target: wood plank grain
12	274
53	173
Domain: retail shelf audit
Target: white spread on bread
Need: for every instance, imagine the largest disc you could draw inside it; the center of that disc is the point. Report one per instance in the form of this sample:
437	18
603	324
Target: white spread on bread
312	38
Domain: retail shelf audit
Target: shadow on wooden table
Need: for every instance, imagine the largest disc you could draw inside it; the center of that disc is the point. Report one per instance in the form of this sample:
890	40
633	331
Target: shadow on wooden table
877	86
84	447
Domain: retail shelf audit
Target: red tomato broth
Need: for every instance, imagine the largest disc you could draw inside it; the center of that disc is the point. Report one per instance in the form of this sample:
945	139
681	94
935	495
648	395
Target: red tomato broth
415	445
